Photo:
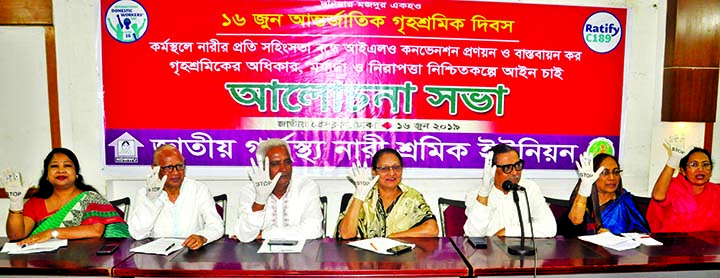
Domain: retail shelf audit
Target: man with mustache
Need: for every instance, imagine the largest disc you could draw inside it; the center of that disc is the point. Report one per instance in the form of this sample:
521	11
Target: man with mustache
171	205
278	205
491	210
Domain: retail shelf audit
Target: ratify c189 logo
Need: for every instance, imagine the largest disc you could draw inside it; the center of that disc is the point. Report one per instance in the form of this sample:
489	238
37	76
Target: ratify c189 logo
126	21
602	32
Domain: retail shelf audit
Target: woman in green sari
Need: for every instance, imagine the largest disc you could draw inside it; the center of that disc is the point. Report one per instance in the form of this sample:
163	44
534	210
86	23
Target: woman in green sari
383	206
64	207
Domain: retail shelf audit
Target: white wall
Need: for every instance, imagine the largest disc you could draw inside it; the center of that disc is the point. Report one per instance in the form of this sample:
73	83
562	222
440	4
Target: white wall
642	155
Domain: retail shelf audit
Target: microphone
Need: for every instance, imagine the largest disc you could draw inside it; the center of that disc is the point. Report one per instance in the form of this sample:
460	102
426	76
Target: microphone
521	249
511	186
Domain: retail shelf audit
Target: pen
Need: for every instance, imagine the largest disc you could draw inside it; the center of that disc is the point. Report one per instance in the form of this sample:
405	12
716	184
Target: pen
171	246
373	246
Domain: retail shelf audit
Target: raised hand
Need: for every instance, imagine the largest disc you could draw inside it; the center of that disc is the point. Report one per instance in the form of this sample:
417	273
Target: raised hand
363	180
587	176
260	177
153	184
488	176
676	146
12	181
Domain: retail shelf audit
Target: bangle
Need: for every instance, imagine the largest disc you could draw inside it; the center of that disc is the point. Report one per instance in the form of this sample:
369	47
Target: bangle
15	211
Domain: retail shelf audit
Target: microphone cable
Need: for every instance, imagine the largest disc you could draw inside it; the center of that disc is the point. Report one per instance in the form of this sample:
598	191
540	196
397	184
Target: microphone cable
532	234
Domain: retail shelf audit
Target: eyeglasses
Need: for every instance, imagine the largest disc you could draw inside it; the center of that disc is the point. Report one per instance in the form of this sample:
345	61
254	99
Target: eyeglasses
607	172
507	168
170	168
695	165
385	169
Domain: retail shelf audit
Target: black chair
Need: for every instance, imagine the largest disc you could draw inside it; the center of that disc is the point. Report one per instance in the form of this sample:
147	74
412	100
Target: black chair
220	204
643	203
323	207
558	207
345	201
452	217
121	206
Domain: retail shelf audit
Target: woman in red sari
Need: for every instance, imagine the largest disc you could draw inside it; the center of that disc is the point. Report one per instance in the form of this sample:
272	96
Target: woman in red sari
688	202
64	207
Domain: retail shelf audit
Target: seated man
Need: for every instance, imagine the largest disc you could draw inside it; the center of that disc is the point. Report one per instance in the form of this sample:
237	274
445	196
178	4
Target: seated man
491	210
278	205
160	210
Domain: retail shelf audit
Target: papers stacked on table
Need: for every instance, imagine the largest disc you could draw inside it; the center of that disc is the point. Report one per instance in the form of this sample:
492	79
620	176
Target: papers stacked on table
282	246
160	246
47	246
379	245
620	243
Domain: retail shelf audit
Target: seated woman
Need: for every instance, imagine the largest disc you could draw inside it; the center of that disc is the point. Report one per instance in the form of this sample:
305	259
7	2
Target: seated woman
618	213
383	206
688	202
64	206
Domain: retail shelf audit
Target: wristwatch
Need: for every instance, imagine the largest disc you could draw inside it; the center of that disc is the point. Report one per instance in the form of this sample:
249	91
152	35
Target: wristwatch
54	234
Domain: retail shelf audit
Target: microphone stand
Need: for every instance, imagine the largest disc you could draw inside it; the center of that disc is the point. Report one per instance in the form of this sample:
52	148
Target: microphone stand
521	250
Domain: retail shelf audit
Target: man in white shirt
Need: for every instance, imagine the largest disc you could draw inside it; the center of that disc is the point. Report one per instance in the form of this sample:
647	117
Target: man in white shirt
278	205
491	211
174	206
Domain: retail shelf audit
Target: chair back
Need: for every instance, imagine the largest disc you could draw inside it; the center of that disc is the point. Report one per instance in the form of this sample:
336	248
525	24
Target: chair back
452	217
643	203
345	201
220	205
121	206
558	207
323	207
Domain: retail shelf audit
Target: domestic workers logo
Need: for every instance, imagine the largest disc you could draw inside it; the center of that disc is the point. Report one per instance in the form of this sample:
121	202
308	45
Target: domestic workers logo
602	32
126	21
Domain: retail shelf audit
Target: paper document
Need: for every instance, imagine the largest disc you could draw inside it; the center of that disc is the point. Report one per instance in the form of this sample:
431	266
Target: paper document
160	246
379	245
282	246
47	246
643	238
611	241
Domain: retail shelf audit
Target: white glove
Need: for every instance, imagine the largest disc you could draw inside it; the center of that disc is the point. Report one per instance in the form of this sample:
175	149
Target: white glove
587	177
488	176
12	181
676	145
153	184
260	177
363	180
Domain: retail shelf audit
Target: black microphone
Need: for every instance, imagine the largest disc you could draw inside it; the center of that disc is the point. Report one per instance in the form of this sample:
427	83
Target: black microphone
511	186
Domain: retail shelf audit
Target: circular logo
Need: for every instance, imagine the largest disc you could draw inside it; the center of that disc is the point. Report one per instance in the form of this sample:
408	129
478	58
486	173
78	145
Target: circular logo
602	32
601	145
126	21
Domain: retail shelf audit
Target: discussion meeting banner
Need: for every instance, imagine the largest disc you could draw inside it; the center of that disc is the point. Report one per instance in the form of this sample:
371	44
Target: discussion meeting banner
439	81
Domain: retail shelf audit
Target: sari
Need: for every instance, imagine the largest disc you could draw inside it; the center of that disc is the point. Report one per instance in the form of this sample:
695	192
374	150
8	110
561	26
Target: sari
86	208
618	216
409	210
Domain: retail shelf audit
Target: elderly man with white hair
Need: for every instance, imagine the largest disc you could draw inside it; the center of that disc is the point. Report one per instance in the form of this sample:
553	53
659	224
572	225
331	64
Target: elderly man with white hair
278	205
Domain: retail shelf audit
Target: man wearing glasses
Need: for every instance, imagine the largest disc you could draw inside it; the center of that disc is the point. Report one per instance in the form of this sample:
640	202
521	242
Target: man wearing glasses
171	205
278	205
491	210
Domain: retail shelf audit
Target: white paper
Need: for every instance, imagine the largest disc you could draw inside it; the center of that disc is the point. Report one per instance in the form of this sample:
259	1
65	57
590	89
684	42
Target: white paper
379	245
643	238
47	246
267	248
160	246
611	241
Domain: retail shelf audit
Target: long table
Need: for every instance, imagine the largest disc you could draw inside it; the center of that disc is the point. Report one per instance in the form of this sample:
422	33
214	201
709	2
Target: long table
323	257
679	252
328	257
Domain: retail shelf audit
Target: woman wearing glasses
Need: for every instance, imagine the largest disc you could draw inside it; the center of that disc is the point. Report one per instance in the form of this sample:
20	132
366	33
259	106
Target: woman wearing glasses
63	207
688	202
382	206
599	201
